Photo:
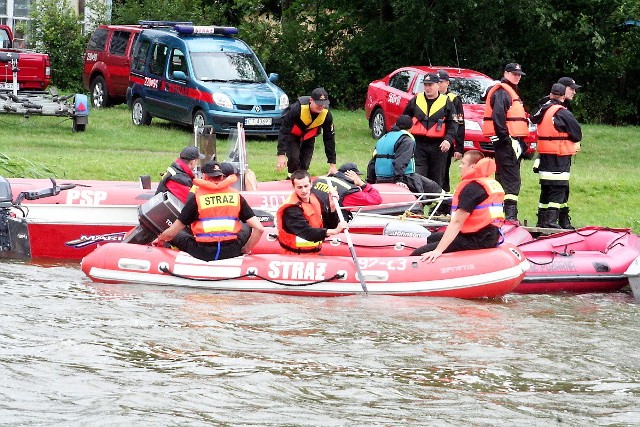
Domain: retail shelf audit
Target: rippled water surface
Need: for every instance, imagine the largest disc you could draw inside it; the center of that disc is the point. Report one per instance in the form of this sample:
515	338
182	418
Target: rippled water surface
77	353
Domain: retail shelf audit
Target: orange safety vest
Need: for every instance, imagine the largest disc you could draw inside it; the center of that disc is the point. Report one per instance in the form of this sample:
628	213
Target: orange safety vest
517	123
491	210
312	211
305	127
550	139
432	125
218	210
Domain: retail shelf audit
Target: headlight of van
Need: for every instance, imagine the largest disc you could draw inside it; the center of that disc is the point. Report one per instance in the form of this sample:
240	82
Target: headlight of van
472	125
284	101
222	100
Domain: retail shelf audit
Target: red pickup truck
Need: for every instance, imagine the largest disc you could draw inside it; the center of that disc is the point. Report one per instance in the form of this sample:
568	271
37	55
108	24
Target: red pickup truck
34	69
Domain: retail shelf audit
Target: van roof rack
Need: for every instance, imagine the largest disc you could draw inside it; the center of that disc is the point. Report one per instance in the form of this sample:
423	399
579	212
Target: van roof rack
154	24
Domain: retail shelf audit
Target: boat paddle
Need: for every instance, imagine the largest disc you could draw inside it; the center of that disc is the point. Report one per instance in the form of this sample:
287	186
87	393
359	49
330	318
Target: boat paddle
350	243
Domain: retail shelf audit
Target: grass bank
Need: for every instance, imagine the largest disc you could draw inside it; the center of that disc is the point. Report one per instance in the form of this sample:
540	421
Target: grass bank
604	180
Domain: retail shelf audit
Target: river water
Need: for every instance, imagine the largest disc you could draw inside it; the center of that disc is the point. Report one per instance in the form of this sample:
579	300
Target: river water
77	353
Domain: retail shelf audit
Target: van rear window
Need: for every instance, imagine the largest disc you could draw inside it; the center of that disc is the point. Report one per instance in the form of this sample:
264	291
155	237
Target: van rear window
98	39
119	42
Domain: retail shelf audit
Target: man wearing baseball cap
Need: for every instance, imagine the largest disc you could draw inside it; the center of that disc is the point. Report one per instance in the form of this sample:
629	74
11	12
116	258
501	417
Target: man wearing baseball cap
178	177
505	124
305	119
571	89
352	189
223	225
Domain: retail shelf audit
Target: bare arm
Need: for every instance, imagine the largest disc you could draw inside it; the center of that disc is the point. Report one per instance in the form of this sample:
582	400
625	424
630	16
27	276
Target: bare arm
453	229
256	232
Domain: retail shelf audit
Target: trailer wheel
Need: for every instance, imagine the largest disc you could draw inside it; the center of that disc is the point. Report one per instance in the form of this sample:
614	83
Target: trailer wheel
78	127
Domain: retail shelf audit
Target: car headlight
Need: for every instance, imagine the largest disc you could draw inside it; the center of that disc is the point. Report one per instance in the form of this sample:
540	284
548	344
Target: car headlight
471	125
222	100
284	101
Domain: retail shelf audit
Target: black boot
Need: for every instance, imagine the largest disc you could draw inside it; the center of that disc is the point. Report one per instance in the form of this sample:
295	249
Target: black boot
541	216
511	212
565	219
551	218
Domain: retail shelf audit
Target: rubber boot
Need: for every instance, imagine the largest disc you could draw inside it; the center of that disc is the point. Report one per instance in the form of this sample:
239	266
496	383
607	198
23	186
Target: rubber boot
541	216
551	218
565	219
511	212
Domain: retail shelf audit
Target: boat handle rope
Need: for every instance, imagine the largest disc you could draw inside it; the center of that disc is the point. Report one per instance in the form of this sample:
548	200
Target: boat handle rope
275	282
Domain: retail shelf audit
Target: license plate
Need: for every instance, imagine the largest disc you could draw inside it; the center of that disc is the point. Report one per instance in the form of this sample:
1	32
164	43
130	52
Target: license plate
9	86
251	121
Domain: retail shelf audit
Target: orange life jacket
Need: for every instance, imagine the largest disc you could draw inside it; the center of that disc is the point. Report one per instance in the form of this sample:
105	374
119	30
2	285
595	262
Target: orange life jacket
517	123
550	139
432	125
490	211
312	211
218	210
305	127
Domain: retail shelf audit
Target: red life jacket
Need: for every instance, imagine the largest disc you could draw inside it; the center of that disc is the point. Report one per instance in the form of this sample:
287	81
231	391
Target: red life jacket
218	210
517	123
550	139
305	127
432	125
312	211
490	211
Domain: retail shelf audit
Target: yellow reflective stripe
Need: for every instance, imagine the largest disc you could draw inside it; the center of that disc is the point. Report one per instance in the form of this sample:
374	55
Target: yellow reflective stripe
496	211
305	116
302	243
513	197
218	224
554	176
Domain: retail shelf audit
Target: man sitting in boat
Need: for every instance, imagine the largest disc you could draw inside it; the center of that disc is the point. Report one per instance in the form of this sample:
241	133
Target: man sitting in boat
222	222
477	211
178	178
303	220
352	190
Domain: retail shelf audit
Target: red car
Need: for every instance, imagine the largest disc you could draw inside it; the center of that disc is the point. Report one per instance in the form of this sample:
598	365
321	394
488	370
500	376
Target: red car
388	97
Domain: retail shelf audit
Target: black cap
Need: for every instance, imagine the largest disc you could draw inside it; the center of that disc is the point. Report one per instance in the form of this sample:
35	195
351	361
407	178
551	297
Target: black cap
443	75
191	153
218	169
558	89
349	167
430	78
515	68
569	82
404	122
320	96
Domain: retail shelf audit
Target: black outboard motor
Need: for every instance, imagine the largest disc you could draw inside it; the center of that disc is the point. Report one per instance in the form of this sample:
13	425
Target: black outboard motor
155	215
14	234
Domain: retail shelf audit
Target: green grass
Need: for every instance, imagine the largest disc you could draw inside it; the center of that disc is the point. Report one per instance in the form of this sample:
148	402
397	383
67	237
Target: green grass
604	180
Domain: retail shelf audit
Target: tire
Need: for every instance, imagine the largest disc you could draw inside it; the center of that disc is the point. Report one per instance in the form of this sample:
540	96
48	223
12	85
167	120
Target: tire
378	124
99	94
199	120
78	127
139	114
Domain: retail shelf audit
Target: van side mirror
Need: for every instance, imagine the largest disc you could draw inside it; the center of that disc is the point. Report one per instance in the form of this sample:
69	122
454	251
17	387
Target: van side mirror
180	75
274	77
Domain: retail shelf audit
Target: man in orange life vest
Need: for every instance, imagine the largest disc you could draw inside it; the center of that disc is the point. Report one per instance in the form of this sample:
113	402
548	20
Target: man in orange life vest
559	136
303	221
477	211
222	222
434	129
178	178
306	118
505	123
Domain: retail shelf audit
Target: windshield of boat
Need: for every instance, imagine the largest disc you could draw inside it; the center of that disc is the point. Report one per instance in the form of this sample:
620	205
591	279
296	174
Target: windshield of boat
227	67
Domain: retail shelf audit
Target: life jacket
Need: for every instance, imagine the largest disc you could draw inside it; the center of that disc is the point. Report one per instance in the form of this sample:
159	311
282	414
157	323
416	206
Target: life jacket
490	211
550	139
517	123
218	210
431	122
312	211
339	181
306	127
385	153
177	171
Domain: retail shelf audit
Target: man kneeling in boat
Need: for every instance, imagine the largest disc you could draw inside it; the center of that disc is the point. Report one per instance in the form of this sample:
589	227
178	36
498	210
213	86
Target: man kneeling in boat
222	222
178	178
477	211
303	220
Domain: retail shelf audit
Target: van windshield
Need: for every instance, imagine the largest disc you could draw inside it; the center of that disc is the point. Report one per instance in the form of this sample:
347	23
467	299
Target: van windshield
227	67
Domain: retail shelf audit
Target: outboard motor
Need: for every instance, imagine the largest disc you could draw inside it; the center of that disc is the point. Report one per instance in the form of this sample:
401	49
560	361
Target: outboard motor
155	215
405	229
14	234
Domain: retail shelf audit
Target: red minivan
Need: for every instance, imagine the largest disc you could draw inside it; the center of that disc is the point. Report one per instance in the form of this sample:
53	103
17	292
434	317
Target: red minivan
388	97
107	61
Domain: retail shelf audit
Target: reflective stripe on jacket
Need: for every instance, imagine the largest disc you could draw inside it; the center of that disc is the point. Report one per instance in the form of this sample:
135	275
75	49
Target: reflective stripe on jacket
550	139
218	211
312	211
432	124
517	123
305	127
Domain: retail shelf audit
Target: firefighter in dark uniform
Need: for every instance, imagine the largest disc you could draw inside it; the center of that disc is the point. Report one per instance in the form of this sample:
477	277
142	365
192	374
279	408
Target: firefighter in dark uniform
559	136
457	150
305	119
506	125
178	178
434	129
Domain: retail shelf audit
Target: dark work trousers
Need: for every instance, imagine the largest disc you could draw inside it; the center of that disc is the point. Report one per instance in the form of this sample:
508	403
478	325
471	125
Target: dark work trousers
430	160
484	238
212	251
554	174
299	155
507	170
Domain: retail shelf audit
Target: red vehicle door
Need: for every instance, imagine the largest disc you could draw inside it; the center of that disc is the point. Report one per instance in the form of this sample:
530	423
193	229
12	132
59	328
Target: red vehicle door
401	91
119	60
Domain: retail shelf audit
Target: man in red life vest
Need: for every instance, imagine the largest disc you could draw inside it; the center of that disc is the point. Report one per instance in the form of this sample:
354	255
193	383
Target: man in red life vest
303	221
505	123
178	178
222	222
302	122
477	211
